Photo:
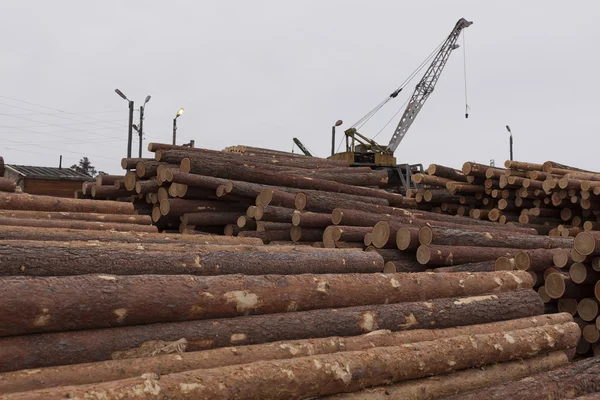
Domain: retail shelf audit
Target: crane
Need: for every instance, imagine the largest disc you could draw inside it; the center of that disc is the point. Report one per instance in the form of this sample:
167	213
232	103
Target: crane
302	147
368	152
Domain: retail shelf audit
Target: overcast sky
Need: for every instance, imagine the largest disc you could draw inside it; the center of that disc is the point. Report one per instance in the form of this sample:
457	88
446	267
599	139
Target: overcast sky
264	72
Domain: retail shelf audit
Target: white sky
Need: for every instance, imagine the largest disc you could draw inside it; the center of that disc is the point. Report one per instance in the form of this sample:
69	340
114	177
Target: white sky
263	72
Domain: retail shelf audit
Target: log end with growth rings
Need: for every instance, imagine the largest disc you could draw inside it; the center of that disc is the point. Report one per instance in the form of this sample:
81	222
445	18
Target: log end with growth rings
380	234
522	260
296	217
587	309
185	166
403	238
585	244
300	201
578	272
560	258
389	268
423	255
265	197
425	235
504	264
336	216
555	285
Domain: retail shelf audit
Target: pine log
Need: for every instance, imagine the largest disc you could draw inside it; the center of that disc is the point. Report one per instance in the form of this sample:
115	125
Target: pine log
48	234
131	163
311	220
430	180
504	264
587	309
72	302
76	224
484	266
392	267
438	387
274	214
327	202
79	216
105	179
109	192
277	198
402	363
210	218
179	207
7	185
22	201
535	259
446	172
407	238
262	226
305	234
164	364
465	237
587	243
454	255
56	261
583	274
576	379
42	350
558	285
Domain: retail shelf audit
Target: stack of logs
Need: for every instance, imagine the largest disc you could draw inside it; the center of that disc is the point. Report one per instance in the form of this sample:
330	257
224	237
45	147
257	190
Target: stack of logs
116	313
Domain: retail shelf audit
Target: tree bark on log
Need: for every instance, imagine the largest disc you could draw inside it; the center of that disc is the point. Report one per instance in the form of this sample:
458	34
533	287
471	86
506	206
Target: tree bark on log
105	179
484	266
78	216
446	172
454	255
309	377
274	214
131	163
109	192
438	387
210	218
58	261
576	379
110	370
311	220
267	236
104	301
22	201
41	350
47	234
465	237
277	198
262	226
298	234
76	224
7	185
178	207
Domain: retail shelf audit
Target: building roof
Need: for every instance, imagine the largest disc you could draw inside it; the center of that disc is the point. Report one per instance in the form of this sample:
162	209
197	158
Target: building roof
50	173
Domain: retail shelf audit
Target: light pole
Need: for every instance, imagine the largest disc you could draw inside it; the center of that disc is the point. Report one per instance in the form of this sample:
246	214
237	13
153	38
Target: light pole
141	131
337	123
510	141
175	124
130	131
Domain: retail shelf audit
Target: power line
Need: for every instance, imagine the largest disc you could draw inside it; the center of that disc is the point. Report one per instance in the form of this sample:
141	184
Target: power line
52	148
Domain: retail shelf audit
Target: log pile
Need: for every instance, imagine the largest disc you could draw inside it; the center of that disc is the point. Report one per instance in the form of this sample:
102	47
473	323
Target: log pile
171	310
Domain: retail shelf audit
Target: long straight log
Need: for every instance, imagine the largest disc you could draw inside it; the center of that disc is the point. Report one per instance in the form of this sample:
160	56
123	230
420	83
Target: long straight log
79	216
76	224
272	226
465	237
210	218
243	173
311	220
446	172
7	185
373	178
587	243
274	214
131	163
110	370
109	192
558	285
267	236
454	255
298	234
105	179
57	261
184	206
49	234
22	201
576	379
310	377
41	350
484	266
73	302
461	381
535	259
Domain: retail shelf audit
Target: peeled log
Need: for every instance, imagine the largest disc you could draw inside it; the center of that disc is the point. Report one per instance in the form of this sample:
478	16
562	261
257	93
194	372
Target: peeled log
94	217
58	261
401	363
49	349
23	201
80	302
465	237
574	379
76	224
454	255
460	382
164	364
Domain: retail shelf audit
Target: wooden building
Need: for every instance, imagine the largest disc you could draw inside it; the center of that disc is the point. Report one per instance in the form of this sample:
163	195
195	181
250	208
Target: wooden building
61	182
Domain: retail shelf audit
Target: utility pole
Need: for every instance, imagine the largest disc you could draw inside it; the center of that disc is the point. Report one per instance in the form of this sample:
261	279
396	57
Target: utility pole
510	142
130	130
141	130
175	125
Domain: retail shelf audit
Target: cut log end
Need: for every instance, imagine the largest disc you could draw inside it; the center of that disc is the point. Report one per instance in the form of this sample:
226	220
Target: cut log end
560	258
555	286
265	197
423	255
241	221
389	268
380	234
425	235
185	166
585	244
522	260
578	272
296	219
504	264
591	334
544	295
403	238
300	201
295	233
587	309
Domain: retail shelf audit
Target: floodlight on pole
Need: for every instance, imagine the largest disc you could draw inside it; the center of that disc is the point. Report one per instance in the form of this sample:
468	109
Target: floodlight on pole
179	112
337	123
130	130
510	142
141	130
